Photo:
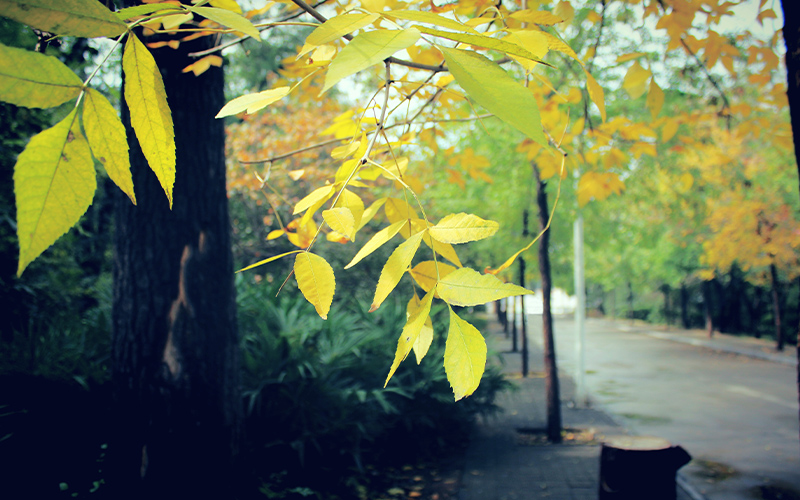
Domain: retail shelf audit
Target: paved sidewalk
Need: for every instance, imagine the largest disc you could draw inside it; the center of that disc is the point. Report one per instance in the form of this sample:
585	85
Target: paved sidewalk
723	342
505	464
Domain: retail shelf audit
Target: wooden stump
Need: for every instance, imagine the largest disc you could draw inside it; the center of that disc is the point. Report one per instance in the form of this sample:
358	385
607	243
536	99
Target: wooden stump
639	467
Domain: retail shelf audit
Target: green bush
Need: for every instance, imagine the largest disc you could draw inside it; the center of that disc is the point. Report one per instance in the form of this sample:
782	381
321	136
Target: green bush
314	389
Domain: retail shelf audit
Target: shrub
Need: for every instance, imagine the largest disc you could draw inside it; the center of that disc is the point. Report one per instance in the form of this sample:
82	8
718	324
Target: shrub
314	391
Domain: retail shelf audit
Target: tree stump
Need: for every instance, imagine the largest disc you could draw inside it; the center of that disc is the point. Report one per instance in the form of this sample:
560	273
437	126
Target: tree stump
637	467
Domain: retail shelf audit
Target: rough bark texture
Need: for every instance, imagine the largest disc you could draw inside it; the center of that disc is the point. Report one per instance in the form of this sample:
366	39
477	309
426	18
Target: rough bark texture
550	368
791	35
175	345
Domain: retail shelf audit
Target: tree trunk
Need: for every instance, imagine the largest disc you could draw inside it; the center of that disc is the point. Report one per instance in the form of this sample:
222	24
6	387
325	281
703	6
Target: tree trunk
550	368
514	347
776	307
665	290
707	309
175	361
685	307
524	323
791	35
630	301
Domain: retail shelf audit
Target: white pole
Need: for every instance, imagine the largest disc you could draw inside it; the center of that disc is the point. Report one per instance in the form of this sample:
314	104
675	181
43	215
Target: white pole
580	316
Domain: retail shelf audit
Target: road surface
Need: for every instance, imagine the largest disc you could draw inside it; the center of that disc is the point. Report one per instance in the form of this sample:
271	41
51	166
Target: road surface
736	415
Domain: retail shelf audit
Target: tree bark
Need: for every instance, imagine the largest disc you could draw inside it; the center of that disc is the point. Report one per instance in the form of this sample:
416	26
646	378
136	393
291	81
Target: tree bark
552	391
776	307
791	35
685	307
175	361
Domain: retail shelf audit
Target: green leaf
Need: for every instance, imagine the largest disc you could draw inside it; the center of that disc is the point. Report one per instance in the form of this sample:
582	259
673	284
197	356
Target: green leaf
377	241
107	138
411	331
35	80
491	87
467	287
253	102
336	27
143	10
150	115
83	18
229	19
464	356
488	42
394	268
54	183
462	228
316	280
428	18
365	50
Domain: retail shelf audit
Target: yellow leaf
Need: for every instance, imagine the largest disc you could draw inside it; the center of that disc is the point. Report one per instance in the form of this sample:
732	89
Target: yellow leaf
370	212
397	209
365	50
395	267
565	11
229	19
533	41
107	138
227	5
425	338
35	80
669	130
411	331
655	99
555	43
537	17
54	183
345	151
352	202
376	242
336	27
467	287
340	220
201	65
150	115
596	94
464	356
462	228
635	80
315	197
686	182
316	281
629	57
251	103
268	260
428	273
